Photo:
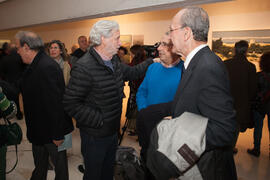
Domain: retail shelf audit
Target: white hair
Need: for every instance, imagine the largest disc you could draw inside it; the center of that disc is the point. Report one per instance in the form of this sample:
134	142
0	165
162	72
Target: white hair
102	28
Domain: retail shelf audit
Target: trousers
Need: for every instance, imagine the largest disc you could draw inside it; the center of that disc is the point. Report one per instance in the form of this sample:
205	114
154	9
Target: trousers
41	155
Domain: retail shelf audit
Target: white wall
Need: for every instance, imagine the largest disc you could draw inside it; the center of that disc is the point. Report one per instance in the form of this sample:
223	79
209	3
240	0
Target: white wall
21	13
150	24
234	15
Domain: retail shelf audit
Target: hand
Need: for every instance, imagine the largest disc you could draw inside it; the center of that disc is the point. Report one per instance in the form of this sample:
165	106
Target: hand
156	60
58	142
167	118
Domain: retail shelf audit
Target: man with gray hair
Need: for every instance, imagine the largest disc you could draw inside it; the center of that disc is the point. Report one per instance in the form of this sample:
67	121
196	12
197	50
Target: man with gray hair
94	98
42	88
204	90
79	52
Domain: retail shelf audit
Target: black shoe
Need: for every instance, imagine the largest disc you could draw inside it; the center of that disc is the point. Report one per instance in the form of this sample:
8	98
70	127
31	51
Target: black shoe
254	152
235	151
81	168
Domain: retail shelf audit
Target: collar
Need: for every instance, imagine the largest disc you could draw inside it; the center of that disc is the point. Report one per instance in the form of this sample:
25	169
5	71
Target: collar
170	65
34	63
103	56
192	54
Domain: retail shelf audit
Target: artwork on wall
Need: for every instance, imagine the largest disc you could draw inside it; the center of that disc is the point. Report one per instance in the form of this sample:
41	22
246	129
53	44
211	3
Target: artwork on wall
259	42
128	40
138	39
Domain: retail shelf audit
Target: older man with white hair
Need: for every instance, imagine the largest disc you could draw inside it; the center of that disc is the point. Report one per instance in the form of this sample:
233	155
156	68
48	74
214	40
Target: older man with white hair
94	98
205	90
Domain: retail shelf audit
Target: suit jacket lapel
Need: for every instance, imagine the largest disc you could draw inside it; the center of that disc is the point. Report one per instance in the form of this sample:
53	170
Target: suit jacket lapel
187	75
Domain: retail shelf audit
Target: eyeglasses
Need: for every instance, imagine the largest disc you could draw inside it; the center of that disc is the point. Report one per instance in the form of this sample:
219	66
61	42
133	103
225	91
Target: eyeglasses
171	30
164	44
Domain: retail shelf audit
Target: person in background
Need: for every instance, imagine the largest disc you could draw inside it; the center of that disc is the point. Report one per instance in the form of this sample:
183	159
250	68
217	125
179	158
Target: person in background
242	75
42	88
159	86
78	53
162	79
73	48
122	52
263	103
94	98
138	56
5	49
58	53
8	111
11	70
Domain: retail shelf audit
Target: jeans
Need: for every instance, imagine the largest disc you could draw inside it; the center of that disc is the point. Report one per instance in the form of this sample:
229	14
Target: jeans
258	125
99	156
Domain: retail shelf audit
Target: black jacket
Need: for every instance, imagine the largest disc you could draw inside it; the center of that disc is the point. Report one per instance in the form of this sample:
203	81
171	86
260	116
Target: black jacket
42	88
94	93
204	89
11	67
242	75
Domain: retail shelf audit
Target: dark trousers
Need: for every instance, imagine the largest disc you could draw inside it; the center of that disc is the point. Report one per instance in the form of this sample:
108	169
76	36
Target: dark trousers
258	125
41	156
99	156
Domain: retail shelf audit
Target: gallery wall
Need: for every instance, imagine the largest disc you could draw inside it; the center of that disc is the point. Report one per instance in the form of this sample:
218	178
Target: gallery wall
224	16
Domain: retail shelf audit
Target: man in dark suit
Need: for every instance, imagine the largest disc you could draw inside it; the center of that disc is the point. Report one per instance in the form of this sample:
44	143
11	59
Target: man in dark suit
242	75
205	90
42	88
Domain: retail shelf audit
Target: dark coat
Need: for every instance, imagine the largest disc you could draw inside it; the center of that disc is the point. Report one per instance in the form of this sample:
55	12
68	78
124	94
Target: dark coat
204	90
11	68
95	91
42	90
242	75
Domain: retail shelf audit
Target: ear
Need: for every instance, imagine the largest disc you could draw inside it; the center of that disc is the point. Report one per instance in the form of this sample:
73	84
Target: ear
102	39
187	33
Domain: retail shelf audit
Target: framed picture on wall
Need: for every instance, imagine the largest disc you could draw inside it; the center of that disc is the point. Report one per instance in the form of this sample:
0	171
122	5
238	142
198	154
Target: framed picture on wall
126	41
259	42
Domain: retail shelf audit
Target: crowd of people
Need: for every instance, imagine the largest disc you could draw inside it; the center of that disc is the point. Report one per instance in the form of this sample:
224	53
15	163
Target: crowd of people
87	85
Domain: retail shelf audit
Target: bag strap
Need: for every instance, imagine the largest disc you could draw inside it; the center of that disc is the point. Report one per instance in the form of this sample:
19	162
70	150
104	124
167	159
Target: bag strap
16	161
7	121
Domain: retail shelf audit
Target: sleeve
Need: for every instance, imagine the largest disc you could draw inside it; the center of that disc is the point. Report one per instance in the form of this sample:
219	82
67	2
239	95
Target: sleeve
53	95
77	91
215	102
135	72
141	96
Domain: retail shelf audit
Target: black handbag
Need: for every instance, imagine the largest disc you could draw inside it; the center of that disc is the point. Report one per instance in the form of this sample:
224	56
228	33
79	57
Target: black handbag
11	134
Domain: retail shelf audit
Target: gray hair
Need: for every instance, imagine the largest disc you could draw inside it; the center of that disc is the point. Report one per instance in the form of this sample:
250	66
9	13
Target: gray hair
102	28
31	39
197	19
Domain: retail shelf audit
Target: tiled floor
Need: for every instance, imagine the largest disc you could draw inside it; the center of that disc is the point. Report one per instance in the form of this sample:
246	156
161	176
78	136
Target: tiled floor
248	167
